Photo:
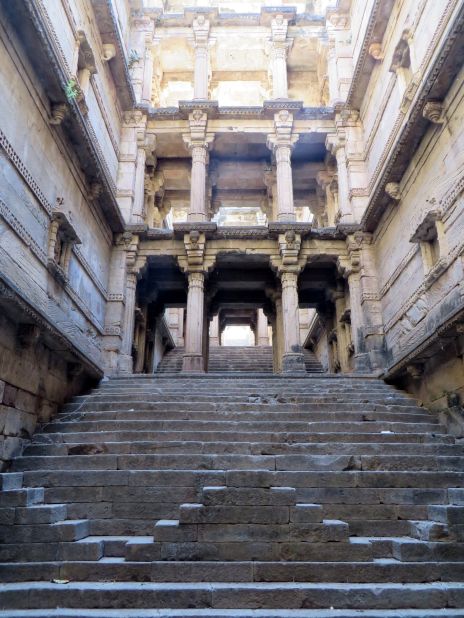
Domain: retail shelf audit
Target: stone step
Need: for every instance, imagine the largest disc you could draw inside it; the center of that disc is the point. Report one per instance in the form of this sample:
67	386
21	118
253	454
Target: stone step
368	411
247	416
243	613
225	425
87	595
251	550
21	497
40	514
427	463
200	478
70	530
52	551
271	437
414	550
263	448
117	570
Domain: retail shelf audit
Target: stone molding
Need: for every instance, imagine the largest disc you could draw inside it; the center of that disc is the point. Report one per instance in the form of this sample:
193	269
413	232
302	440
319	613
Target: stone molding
9	292
47	207
455	322
398	138
63	74
25	174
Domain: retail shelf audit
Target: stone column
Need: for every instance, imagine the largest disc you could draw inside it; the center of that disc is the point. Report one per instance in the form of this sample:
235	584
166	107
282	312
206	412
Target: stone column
292	359
114	314
277	334
126	361
193	357
214	331
262	335
198	209
141	340
325	180
200	79
279	48
336	145
281	143
198	142
338	298
141	64
147	76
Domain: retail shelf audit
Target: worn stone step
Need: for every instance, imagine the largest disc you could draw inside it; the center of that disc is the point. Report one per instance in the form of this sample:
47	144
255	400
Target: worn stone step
169	531
40	514
243	613
70	530
388	571
143	403
223	461
274	417
251	550
415	550
87	549
245	448
235	596
225	425
294	478
21	497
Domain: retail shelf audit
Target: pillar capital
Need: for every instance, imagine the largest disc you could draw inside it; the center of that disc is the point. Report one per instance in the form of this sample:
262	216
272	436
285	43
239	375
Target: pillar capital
198	137
201	28
279	28
283	132
335	142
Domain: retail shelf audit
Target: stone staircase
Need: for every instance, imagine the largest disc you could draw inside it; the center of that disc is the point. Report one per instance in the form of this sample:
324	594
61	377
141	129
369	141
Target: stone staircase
220	496
251	359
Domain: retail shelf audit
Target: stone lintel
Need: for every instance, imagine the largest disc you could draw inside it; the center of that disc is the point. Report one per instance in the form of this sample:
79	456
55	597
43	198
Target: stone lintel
208	228
210	108
276	228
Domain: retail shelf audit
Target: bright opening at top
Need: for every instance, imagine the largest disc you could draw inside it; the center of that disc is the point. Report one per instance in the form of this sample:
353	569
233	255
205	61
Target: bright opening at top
244	6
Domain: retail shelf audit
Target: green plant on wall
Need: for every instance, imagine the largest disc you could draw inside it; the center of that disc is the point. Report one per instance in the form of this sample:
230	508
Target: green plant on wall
134	57
71	90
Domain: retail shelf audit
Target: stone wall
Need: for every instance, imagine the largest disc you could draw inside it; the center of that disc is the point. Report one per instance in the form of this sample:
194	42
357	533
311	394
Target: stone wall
34	382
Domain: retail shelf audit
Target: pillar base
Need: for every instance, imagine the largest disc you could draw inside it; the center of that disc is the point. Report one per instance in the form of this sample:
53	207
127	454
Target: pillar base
126	364
293	363
193	363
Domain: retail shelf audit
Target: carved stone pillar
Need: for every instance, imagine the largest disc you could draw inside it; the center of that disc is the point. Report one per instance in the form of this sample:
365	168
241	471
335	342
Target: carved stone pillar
292	359
114	315
278	334
214	331
262	336
125	361
281	143
141	62
336	145
365	310
193	357
343	343
325	180
198	207
279	49
200	79
198	142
